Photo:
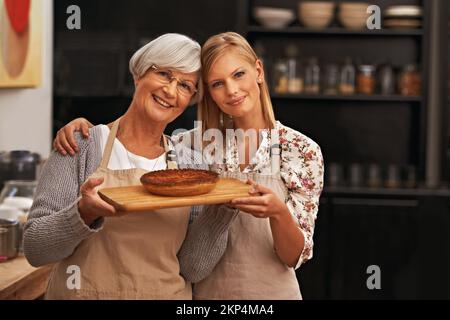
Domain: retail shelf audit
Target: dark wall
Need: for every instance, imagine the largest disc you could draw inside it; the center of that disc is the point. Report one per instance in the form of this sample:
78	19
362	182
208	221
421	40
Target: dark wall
91	64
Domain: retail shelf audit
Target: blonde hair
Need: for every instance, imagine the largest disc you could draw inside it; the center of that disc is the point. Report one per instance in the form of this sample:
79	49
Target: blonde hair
214	48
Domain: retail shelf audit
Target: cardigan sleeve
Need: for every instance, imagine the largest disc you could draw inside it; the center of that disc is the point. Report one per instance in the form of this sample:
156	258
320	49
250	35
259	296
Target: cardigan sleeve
54	227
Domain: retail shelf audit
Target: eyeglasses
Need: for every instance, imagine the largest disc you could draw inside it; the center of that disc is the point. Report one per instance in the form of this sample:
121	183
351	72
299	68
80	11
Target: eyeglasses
165	76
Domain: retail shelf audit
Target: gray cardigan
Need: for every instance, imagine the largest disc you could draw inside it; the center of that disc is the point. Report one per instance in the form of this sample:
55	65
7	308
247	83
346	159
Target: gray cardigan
54	228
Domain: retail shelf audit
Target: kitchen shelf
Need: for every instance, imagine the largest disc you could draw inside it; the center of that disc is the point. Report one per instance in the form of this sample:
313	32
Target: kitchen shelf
357	97
90	96
336	31
366	191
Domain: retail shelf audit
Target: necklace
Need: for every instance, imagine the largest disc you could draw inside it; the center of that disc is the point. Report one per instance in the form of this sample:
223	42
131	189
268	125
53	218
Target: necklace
133	164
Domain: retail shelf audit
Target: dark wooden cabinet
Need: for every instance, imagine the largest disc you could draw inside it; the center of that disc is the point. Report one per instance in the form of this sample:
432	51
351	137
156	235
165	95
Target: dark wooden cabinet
380	232
405	235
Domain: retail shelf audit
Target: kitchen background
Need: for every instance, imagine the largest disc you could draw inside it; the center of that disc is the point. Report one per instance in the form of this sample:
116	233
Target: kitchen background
376	101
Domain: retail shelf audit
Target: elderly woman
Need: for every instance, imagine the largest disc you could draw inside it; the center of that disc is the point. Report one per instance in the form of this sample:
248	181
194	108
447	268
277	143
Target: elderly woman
131	256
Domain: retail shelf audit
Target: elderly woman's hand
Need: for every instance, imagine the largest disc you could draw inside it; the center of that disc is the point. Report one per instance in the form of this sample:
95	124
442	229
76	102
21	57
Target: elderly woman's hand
65	141
263	203
91	206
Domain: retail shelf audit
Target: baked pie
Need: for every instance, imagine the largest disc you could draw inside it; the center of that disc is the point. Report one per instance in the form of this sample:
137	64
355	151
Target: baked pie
180	182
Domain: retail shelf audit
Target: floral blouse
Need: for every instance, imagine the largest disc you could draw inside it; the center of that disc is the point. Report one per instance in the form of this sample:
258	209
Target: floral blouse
301	169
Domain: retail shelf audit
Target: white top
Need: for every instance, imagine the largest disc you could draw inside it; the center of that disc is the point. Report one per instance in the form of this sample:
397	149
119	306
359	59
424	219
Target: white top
123	159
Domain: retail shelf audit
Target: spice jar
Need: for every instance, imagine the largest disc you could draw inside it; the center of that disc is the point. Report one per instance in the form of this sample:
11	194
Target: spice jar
348	78
366	79
312	76
410	81
280	77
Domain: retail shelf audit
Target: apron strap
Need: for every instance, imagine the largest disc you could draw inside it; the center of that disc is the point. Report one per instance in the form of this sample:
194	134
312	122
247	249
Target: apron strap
275	152
171	156
109	144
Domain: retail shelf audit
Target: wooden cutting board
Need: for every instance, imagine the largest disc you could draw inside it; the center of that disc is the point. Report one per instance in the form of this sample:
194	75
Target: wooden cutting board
137	198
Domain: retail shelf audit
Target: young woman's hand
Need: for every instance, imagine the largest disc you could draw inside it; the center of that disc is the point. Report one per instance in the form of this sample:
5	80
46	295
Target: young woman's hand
91	206
262	203
65	141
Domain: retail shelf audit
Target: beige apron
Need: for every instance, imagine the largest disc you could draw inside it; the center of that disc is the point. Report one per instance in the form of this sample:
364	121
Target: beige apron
250	268
134	256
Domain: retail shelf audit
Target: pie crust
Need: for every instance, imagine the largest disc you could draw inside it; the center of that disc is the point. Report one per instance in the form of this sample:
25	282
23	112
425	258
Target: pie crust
179	182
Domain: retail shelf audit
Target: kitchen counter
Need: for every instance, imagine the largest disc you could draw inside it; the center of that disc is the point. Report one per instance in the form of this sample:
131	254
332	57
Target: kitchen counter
21	281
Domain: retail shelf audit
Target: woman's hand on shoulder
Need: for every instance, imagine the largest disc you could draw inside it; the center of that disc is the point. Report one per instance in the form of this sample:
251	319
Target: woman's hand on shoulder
91	206
262	203
65	137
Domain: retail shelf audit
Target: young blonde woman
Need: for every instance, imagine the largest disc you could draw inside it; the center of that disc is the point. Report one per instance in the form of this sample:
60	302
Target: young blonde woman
272	234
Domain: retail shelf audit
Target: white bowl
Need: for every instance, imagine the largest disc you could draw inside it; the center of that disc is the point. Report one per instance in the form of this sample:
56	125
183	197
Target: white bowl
273	17
22	203
9	213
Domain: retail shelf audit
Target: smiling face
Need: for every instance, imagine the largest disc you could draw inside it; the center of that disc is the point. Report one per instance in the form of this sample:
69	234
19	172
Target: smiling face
232	82
159	101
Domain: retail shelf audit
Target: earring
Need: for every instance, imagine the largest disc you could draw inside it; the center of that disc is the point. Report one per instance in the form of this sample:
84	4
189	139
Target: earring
259	80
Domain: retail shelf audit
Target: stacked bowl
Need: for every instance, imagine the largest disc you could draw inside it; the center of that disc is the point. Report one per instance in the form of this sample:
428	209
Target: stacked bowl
273	17
353	15
403	17
316	14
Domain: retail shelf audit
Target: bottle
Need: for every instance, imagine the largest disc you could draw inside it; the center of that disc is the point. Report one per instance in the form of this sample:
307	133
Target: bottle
295	78
348	78
312	76
366	79
331	80
386	80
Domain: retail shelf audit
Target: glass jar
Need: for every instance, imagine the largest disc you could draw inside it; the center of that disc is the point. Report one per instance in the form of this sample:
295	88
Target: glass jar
295	77
280	77
18	196
365	80
331	80
410	83
312	76
347	78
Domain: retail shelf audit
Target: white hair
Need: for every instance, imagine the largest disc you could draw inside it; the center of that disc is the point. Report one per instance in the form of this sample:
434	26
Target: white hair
171	50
